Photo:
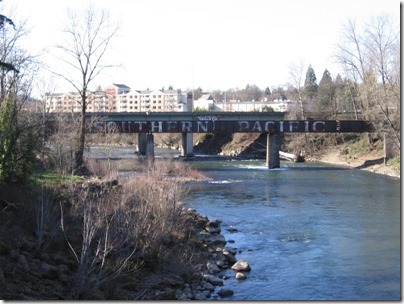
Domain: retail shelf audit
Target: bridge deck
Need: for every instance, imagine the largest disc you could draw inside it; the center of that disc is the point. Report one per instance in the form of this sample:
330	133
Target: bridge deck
188	116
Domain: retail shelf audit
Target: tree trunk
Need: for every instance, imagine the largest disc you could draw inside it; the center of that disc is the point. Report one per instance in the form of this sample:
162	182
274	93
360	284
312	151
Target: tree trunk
78	154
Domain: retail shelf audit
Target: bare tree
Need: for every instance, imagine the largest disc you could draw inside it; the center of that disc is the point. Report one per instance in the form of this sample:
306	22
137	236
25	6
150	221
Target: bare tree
371	60
296	73
88	36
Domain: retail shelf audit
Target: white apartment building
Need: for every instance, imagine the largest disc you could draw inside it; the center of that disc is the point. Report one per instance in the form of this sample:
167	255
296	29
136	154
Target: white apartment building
71	102
120	98
153	101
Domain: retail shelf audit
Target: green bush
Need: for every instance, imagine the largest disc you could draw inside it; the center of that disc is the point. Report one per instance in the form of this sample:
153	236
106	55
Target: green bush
17	144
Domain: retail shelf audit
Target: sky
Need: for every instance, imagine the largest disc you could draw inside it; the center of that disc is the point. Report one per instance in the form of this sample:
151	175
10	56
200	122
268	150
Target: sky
212	44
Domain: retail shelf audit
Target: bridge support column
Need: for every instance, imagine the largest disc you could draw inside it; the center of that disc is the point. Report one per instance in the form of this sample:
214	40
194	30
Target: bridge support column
142	143
273	148
150	146
187	144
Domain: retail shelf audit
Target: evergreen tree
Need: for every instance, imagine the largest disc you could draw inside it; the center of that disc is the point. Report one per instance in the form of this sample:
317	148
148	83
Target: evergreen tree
267	92
326	95
310	84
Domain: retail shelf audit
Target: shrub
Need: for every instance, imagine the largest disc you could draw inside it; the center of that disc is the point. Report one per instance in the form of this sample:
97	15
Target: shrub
18	142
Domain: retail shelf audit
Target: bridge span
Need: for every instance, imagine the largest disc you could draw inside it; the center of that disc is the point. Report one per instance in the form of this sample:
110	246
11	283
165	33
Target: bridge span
271	123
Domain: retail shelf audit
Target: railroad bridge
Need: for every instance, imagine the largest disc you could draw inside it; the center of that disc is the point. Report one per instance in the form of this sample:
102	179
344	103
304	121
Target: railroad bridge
187	123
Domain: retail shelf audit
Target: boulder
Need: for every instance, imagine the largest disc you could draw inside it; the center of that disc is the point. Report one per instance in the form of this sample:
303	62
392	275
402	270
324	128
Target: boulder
212	267
200	296
216	240
232	229
241	265
213	226
229	256
208	286
225	292
213	280
240	276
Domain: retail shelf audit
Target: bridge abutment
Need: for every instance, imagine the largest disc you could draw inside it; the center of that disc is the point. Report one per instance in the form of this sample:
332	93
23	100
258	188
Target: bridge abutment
273	148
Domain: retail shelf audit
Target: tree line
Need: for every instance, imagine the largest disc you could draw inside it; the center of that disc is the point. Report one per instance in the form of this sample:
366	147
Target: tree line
369	88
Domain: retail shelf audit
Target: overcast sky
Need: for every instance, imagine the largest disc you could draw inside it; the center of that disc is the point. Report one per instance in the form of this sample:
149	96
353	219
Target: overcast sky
213	44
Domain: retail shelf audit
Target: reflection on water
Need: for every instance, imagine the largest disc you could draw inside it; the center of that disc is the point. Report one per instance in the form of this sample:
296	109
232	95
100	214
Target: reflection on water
309	231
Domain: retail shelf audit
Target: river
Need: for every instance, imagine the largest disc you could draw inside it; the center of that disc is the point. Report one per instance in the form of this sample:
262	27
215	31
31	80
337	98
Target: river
310	231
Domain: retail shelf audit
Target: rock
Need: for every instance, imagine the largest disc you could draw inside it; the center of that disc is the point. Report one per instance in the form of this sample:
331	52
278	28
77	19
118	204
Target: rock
213	280
212	267
208	286
232	229
231	250
216	240
220	258
200	296
231	241
220	263
240	276
241	265
225	292
229	256
213	226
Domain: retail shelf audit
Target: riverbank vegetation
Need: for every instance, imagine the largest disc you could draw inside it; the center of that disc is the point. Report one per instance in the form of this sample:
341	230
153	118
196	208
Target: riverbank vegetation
98	238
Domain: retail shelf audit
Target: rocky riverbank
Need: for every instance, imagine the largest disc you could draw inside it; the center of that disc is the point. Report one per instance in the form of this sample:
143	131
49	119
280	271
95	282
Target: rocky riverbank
208	281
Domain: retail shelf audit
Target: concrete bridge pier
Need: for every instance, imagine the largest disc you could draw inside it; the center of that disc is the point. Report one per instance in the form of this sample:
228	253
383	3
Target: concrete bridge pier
142	143
273	148
187	144
145	144
149	146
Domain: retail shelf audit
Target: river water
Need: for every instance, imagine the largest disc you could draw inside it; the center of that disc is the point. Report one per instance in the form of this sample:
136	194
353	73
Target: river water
309	231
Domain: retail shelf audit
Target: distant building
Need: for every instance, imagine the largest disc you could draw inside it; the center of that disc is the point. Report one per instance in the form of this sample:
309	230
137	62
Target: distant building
253	106
120	98
205	103
71	102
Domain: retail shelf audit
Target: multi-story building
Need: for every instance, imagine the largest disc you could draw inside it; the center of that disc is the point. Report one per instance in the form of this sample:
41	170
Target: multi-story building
120	98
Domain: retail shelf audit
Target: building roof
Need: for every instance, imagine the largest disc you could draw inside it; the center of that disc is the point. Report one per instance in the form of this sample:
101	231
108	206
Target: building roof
121	86
206	97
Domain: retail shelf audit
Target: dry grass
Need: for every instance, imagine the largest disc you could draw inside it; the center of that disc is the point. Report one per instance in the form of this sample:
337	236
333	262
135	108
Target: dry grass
139	223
